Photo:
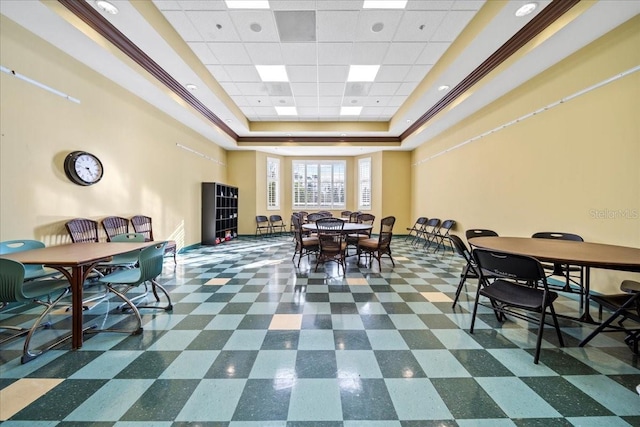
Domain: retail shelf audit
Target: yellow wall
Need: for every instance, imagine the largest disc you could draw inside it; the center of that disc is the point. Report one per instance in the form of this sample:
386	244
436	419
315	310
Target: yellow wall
242	174
556	171
145	172
396	190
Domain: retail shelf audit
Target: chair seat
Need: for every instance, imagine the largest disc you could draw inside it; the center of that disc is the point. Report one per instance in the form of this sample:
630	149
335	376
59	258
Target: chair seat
38	288
126	276
358	236
520	296
368	243
310	241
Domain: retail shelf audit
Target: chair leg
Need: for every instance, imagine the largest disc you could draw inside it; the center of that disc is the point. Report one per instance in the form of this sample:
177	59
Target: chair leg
463	279
557	326
27	354
536	358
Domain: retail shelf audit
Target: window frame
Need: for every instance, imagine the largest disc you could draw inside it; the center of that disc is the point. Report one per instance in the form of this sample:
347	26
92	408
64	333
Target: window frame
275	180
362	205
320	165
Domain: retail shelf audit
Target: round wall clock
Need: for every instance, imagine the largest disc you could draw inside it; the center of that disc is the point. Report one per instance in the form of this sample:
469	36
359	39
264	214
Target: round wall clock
83	168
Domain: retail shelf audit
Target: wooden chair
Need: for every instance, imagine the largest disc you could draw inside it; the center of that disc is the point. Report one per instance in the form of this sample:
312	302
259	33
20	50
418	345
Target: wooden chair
115	225
82	230
142	224
332	242
304	245
377	247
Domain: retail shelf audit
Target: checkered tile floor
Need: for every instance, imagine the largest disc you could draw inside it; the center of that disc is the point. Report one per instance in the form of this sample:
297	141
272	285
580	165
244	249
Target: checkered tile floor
255	341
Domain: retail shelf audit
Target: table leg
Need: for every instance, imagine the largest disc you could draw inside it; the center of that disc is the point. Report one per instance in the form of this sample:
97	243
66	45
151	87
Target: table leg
77	276
586	316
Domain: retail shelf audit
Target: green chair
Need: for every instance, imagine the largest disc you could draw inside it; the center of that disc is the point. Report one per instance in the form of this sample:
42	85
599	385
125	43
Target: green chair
149	266
126	260
14	289
32	271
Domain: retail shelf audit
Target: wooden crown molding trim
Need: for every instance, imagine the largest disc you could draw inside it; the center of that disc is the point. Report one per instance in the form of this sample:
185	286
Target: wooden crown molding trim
103	27
539	23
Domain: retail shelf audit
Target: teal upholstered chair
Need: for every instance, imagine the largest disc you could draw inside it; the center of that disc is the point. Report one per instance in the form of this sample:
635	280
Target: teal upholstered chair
149	266
45	292
34	271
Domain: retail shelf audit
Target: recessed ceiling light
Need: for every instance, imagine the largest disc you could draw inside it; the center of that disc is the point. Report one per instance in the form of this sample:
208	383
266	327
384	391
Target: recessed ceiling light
107	7
255	27
443	87
384	4
408	120
350	111
272	73
362	73
286	111
377	27
247	4
526	9
191	86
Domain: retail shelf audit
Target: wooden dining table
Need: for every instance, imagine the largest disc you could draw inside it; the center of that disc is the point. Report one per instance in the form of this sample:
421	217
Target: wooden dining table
585	254
75	261
349	227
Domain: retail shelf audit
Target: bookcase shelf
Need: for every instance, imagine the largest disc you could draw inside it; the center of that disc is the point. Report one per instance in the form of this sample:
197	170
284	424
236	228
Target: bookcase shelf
219	213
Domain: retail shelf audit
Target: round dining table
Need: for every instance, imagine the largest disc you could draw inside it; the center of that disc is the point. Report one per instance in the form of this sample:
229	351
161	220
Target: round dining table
349	227
585	254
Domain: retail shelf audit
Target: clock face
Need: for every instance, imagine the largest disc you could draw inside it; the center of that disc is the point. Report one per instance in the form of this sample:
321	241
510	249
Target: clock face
83	168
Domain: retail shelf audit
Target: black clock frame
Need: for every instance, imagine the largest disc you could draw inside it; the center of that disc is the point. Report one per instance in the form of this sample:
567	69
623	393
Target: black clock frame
70	168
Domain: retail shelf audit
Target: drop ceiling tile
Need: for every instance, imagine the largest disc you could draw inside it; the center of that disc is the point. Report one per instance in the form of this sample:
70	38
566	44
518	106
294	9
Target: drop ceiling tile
330	101
214	26
445	5
203	53
255	25
357	88
311	111
452	25
353	101
372	111
258	102
376	101
392	73
369	53
402	53
389	20
230	88
292	4
432	52
218	72
337	26
242	73
304	89
384	89
279	89
331	89
296	26
334	53
165	5
183	25
419	26
264	53
328	113
201	5
332	73
252	89
283	101
406	88
302	74
417	73
307	101
474	5
299	53
396	101
265	111
389	112
230	53
339	5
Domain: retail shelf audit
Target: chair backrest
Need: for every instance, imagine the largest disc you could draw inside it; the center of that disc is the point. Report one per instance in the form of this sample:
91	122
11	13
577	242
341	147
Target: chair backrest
326	214
313	217
446	226
330	234
354	216
275	219
11	246
509	266
386	232
82	230
460	247
261	219
434	223
345	214
557	235
114	225
129	237
11	280
420	222
366	218
150	261
480	232
142	224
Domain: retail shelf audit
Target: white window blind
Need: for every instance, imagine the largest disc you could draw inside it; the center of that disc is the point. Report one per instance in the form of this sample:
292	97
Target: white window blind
273	183
319	184
364	184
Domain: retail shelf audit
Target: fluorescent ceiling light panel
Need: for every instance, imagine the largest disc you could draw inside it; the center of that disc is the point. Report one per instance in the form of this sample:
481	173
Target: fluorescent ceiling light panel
286	111
350	111
362	73
272	73
247	4
384	4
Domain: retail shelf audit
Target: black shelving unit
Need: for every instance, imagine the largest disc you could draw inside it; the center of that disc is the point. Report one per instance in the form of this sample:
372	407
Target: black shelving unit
219	213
